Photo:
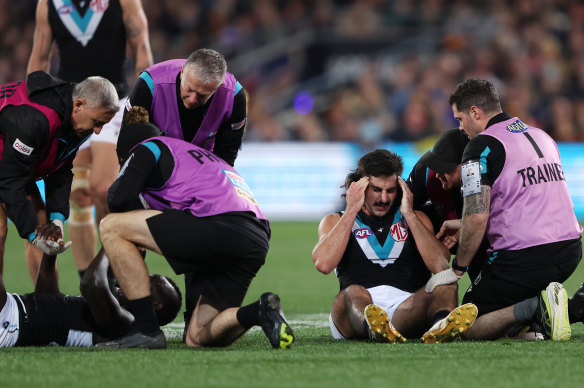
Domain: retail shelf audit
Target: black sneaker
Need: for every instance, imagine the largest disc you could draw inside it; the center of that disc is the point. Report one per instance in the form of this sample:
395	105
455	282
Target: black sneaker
576	305
135	339
274	323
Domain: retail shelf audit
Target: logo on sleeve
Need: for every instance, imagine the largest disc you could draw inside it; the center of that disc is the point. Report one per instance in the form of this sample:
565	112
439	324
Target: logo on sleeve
21	147
238	126
128	104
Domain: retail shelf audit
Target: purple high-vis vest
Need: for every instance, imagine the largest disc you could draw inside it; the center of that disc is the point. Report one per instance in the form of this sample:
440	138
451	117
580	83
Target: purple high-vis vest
202	183
530	202
164	109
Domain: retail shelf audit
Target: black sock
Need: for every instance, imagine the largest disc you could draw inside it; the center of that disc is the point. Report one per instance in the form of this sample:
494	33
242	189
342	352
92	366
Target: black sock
145	317
81	273
573	311
439	315
247	316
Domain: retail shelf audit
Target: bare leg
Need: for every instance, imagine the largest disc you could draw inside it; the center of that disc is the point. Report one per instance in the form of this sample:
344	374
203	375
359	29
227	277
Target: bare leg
414	315
493	325
82	230
347	311
211	327
104	155
121	235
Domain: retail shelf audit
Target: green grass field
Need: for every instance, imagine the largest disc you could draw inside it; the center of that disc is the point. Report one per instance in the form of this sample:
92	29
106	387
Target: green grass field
316	359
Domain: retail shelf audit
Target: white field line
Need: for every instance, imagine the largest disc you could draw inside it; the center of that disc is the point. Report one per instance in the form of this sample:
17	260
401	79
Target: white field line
175	329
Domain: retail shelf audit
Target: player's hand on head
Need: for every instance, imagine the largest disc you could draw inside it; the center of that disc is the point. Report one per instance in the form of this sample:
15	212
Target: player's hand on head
407	202
356	194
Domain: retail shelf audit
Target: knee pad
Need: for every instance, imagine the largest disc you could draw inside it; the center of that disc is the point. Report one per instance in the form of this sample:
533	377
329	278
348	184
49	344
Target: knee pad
80	178
80	215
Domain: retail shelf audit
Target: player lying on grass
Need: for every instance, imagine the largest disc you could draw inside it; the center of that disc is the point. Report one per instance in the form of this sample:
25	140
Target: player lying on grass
383	253
48	317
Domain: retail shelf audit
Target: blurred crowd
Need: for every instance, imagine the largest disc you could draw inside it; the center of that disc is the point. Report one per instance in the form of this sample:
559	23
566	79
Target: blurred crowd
367	71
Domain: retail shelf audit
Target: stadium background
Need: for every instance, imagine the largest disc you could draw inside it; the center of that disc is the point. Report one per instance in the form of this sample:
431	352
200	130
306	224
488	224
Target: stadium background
329	80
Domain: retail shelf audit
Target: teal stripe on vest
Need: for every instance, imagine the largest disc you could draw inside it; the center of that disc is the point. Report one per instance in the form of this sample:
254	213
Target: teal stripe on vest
483	160
238	87
149	81
154	148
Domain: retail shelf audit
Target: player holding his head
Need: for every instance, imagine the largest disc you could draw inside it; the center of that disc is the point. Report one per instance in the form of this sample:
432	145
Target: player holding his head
383	252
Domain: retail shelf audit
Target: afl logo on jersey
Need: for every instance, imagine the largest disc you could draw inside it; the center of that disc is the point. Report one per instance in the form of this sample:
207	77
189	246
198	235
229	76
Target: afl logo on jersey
398	232
517	126
362	233
65	10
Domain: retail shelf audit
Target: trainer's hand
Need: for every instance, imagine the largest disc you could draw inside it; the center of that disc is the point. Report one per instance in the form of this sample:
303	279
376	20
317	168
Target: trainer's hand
50	247
443	277
449	233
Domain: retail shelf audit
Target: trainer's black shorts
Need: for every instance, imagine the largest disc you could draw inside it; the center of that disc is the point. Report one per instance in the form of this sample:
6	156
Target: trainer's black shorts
224	252
508	277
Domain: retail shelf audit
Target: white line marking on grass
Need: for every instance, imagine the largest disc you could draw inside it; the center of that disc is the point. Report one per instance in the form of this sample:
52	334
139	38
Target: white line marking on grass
175	329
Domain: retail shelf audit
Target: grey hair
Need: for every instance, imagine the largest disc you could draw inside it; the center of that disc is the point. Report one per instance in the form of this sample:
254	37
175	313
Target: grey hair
98	92
208	65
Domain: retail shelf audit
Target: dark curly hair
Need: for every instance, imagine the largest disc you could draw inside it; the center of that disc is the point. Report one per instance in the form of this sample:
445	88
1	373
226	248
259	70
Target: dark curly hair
376	163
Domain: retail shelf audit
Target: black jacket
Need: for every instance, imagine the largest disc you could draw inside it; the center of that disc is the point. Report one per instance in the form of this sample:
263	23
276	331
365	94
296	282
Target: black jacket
31	127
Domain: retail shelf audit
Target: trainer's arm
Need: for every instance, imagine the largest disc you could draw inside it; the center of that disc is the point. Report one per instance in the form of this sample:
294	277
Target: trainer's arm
123	194
104	307
230	133
435	255
42	47
136	26
334	230
476	210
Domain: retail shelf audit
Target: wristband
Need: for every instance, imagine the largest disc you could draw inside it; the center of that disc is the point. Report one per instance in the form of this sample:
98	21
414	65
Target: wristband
457	267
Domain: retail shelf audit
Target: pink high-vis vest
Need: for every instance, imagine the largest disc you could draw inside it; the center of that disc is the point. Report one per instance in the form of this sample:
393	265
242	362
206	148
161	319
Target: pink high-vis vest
530	202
